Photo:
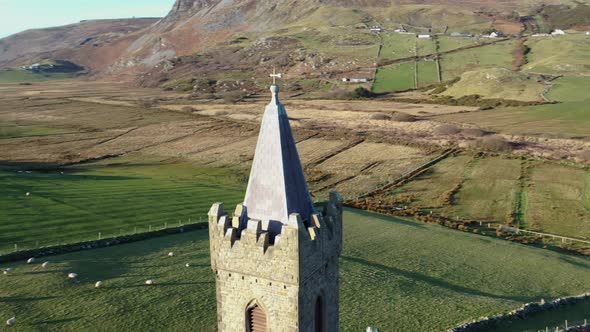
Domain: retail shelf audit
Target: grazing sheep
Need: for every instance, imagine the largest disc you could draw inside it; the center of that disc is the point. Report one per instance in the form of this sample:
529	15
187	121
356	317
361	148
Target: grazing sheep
11	321
187	265
7	270
45	265
73	275
150	282
31	260
99	284
171	254
28	194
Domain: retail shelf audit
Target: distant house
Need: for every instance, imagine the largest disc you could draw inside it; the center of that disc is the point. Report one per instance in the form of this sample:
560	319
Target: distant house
376	29
401	29
540	35
558	32
355	80
497	34
461	34
424	35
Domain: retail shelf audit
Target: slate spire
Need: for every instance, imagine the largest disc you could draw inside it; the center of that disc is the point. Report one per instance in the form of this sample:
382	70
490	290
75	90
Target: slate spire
277	185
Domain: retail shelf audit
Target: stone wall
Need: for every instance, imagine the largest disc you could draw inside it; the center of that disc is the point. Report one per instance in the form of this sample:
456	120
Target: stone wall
521	313
66	248
284	276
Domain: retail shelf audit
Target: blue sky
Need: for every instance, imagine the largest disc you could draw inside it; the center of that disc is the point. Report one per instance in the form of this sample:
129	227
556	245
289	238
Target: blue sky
19	15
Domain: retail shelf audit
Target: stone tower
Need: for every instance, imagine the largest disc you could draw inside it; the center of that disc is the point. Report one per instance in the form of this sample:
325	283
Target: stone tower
276	257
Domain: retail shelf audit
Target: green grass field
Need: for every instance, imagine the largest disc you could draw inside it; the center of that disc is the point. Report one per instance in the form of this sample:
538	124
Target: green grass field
395	274
18	75
427	73
394	78
425	46
447	43
565	55
13	130
106	197
563	206
397	46
570	89
427	188
570	119
497	55
489	190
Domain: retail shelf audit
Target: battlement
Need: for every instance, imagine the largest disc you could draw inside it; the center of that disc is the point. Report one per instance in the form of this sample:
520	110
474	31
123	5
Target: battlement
302	246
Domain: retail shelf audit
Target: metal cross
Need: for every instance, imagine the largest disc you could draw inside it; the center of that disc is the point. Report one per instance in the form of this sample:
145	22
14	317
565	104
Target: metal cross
274	76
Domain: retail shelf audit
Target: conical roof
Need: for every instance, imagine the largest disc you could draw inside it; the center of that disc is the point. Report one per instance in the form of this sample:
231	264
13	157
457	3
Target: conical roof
277	185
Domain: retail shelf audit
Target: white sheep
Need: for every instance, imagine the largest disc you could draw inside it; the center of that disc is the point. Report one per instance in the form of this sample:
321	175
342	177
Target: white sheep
7	270
31	260
73	275
28	194
45	265
187	265
171	254
11	321
150	282
99	284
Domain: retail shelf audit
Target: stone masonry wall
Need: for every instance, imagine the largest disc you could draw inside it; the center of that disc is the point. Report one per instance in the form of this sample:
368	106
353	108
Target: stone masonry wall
284	278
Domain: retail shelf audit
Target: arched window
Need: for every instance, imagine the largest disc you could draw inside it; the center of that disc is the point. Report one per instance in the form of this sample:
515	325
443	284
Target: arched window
319	315
255	318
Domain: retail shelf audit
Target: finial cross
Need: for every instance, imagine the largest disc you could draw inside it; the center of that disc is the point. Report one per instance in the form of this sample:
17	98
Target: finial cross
274	76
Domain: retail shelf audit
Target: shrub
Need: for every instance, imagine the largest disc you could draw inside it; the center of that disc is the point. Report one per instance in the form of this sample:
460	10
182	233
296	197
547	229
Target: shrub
403	117
473	132
361	92
446	129
381	116
493	143
585	155
338	93
188	109
147	102
233	97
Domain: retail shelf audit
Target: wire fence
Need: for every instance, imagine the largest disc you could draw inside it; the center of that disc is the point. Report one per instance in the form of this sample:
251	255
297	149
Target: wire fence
15	246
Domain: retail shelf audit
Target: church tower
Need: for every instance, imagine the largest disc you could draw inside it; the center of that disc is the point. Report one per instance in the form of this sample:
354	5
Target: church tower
276	257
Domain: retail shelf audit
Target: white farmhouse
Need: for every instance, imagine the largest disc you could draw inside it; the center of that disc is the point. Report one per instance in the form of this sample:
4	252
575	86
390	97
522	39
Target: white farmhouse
558	32
424	36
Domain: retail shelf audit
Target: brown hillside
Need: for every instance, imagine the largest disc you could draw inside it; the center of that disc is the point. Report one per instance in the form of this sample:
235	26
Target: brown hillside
76	42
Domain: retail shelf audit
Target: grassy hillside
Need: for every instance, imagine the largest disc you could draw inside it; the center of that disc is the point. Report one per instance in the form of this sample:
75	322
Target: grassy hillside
566	55
391	271
497	83
496	55
106	198
19	75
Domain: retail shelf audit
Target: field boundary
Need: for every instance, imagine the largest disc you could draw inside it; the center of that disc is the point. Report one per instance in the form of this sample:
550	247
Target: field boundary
409	174
522	313
95	244
563	239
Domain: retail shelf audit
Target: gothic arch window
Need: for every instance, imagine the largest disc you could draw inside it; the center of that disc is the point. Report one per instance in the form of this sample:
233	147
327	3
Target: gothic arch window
319	315
256	320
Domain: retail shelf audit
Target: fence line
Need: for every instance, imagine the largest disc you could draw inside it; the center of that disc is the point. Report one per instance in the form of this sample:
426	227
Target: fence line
95	236
518	230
